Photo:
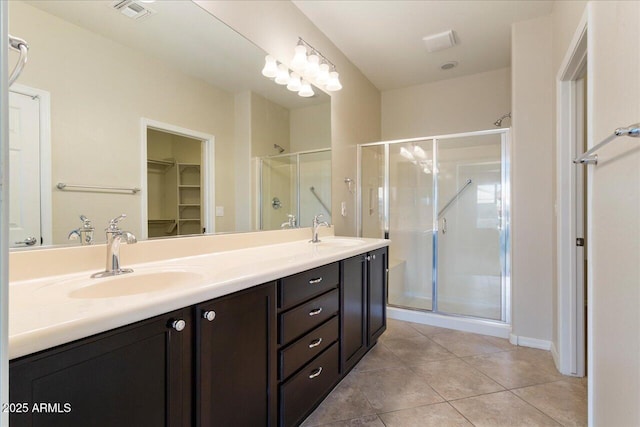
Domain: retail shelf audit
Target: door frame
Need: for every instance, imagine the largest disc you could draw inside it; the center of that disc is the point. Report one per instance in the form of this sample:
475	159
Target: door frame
569	355
44	118
208	188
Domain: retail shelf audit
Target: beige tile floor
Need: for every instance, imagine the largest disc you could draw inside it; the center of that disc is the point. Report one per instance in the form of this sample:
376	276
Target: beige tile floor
420	375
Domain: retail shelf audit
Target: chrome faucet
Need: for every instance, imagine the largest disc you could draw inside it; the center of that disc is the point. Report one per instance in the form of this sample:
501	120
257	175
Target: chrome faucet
290	223
315	226
84	233
115	237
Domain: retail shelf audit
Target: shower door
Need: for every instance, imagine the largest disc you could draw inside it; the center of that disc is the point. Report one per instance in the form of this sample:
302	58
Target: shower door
469	252
397	201
443	203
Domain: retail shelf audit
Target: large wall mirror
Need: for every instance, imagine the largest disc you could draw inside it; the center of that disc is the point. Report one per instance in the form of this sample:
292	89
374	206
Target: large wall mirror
157	110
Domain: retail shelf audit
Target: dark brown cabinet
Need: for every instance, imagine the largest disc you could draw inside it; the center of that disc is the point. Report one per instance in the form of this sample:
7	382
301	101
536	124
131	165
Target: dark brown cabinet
236	359
309	354
137	375
363	304
264	356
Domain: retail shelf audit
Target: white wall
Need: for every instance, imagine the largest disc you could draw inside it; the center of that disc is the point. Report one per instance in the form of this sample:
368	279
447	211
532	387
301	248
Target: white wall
532	188
448	106
355	110
614	299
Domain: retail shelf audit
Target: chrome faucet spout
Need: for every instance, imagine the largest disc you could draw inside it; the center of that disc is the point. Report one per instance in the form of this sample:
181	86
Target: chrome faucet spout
116	237
315	225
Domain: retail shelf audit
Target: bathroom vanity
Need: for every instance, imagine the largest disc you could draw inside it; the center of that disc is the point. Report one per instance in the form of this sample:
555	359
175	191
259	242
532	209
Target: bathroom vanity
266	347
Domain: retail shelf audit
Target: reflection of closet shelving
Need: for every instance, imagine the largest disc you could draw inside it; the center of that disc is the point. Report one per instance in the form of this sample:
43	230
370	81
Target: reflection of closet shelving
160	165
189	201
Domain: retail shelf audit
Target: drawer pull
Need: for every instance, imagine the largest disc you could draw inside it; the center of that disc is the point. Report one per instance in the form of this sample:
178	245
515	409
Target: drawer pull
314	281
315	312
315	373
315	342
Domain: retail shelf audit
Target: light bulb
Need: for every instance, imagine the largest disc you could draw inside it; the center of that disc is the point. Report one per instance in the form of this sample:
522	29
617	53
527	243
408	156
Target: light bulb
334	82
299	61
305	90
294	84
313	66
419	152
406	154
282	78
270	67
323	74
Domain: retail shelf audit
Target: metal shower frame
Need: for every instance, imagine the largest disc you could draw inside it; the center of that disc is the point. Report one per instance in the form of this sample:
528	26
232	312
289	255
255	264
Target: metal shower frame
505	232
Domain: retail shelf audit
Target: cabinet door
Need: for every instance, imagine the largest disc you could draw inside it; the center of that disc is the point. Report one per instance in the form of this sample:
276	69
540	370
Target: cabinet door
236	359
354	311
138	375
377	294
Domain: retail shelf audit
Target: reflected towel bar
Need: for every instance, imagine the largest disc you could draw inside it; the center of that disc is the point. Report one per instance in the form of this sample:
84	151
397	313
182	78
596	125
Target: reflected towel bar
97	188
588	158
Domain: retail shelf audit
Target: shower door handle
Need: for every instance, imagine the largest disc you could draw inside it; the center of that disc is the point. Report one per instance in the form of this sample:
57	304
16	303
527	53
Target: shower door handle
444	225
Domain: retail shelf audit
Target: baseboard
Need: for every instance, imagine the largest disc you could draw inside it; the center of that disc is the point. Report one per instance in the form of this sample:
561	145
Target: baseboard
478	326
530	342
556	356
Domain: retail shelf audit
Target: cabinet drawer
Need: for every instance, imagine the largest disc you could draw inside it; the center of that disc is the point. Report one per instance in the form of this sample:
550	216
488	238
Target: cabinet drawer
300	320
306	348
301	393
302	286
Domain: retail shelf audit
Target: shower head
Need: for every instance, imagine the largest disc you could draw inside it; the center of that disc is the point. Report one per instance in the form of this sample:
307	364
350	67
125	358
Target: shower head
498	122
279	148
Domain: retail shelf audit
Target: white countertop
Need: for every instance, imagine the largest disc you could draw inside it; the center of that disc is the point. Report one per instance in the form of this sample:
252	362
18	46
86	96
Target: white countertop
43	313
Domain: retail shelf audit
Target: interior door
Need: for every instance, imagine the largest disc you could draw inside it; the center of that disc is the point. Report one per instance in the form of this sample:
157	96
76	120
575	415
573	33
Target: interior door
24	165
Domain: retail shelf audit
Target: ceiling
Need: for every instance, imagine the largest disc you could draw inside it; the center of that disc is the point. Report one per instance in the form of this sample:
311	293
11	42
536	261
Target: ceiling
384	38
198	44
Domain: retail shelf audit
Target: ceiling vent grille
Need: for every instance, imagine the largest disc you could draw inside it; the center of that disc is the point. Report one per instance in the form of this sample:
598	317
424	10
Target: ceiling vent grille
132	9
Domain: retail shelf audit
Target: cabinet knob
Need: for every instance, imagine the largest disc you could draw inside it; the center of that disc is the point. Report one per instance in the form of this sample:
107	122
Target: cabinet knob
315	373
315	342
315	312
373	256
368	257
178	325
209	315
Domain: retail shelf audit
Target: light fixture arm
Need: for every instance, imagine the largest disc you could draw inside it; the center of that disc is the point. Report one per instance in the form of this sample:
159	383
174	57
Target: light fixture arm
303	42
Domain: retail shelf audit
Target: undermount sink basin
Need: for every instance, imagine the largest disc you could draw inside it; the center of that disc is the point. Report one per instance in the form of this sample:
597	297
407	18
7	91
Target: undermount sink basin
133	284
340	243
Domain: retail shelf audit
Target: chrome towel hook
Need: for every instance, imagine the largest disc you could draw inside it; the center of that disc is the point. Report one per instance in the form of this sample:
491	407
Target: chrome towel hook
21	46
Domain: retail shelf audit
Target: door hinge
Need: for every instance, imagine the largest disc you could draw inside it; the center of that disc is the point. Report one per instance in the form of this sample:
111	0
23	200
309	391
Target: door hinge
580	241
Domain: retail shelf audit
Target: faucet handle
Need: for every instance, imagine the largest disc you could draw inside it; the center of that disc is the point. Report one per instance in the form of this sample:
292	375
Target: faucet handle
113	224
317	217
86	223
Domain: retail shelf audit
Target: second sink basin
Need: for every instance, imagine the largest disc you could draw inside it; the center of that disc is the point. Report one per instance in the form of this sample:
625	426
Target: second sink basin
133	284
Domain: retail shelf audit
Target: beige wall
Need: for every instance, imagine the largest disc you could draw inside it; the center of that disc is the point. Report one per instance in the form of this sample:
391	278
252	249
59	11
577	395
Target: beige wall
269	126
355	110
532	154
310	128
614	70
456	105
96	126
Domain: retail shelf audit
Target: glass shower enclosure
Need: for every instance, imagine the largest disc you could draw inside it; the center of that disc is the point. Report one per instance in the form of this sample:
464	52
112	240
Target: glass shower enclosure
444	203
294	186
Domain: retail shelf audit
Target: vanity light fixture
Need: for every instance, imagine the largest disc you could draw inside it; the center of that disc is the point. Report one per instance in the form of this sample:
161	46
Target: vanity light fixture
309	65
270	67
305	89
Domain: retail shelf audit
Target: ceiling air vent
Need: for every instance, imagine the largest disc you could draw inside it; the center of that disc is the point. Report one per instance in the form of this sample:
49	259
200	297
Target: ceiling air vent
132	9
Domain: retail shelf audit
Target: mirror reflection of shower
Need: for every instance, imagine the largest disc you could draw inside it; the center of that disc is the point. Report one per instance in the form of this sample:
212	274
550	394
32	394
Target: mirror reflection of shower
301	182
